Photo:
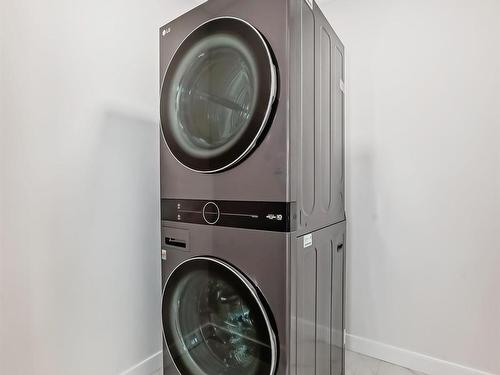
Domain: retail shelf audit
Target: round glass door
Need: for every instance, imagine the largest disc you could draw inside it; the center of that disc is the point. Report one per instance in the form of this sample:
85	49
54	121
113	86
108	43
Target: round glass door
217	95
215	323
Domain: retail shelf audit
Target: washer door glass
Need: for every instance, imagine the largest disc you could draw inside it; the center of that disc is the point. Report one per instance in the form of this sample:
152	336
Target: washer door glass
215	323
217	95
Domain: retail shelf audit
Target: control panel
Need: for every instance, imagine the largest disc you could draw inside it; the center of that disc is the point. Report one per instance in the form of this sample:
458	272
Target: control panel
272	216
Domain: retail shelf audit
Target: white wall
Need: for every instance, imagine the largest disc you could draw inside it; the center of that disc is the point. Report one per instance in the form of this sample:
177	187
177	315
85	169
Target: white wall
423	180
79	179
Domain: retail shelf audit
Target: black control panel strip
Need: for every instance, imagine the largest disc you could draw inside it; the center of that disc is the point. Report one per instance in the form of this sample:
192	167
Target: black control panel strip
271	216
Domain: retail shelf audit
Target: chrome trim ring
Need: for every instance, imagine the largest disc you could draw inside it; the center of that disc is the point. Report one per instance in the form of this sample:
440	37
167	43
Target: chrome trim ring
253	291
272	97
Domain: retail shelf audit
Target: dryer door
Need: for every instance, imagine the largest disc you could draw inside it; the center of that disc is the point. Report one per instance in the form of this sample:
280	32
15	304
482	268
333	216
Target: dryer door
214	321
217	95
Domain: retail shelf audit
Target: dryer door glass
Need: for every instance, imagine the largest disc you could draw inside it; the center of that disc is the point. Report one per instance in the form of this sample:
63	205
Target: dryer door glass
214	321
217	95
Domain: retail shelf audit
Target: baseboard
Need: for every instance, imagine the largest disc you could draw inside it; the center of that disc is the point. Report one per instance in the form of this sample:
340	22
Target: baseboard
149	366
401	357
406	358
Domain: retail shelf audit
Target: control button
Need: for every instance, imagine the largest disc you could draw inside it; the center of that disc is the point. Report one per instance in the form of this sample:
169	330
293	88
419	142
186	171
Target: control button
211	213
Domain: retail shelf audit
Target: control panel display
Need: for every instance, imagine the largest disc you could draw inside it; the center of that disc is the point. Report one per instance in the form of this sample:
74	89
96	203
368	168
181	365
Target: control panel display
273	216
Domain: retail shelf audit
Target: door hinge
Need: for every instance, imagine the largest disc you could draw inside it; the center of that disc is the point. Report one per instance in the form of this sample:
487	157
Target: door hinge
345	337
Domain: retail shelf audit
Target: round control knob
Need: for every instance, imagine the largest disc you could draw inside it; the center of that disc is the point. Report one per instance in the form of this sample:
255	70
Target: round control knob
211	213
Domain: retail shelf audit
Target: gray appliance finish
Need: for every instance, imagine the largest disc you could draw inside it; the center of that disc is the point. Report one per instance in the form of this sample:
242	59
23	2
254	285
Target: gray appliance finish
252	188
272	101
213	326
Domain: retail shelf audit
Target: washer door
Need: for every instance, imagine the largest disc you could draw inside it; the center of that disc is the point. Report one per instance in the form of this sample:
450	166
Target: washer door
214	321
217	95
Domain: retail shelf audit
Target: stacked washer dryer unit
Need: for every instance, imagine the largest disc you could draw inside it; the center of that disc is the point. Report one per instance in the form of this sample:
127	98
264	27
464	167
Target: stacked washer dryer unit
252	184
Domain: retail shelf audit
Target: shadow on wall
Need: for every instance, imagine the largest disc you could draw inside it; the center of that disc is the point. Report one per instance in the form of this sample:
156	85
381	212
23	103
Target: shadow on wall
96	272
123	231
360	261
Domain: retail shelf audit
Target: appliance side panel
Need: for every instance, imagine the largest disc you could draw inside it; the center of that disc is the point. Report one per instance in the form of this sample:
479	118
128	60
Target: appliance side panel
321	138
325	138
292	306
338	132
307	128
329	153
323	300
337	208
338	297
294	27
318	270
302	98
305	274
